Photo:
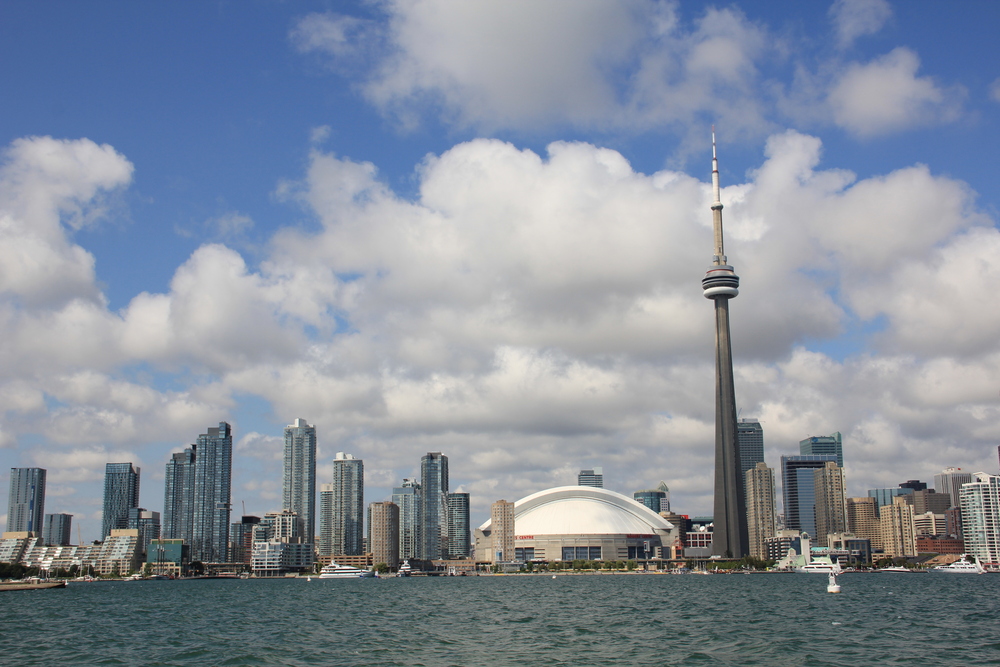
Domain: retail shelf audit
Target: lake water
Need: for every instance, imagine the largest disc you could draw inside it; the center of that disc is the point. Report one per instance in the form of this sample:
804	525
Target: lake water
786	619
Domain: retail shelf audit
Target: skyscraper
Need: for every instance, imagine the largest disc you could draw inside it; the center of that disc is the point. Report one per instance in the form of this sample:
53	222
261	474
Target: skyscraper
831	502
383	533
980	503
347	505
502	531
721	284
325	545
408	498
434	504
593	477
459	535
750	441
897	534
824	445
798	487
121	493
57	530
950	481
862	519
213	469
655	499
26	502
300	476
760	508
178	496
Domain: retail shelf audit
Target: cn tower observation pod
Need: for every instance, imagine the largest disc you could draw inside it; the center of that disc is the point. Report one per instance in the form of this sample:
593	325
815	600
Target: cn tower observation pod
581	522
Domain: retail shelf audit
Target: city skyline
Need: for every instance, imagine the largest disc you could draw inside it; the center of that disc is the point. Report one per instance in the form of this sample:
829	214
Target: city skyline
476	232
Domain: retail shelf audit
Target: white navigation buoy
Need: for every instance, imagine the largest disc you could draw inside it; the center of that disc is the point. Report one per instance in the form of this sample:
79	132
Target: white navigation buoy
832	585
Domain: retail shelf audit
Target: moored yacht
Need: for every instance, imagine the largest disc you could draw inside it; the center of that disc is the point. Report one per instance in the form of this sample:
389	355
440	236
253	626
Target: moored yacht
961	566
404	570
820	565
335	571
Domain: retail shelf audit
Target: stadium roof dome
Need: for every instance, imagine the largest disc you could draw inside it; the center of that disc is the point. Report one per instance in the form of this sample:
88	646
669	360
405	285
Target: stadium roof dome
583	510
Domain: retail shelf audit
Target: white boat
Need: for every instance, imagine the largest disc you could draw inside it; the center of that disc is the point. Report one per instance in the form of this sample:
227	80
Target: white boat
404	570
896	568
335	571
820	566
961	566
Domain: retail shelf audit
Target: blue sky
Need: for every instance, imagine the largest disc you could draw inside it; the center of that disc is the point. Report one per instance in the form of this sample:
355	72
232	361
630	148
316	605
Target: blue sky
480	229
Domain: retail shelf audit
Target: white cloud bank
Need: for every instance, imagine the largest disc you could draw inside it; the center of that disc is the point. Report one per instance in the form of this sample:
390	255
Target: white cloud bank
527	315
627	66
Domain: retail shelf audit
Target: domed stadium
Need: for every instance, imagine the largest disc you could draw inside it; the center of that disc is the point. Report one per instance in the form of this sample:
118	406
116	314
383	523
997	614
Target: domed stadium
577	522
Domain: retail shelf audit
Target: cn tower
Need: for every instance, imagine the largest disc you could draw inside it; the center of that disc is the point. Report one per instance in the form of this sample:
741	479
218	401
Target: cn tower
729	537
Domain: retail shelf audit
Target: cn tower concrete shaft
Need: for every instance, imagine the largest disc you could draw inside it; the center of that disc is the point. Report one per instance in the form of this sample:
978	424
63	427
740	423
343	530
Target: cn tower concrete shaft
720	284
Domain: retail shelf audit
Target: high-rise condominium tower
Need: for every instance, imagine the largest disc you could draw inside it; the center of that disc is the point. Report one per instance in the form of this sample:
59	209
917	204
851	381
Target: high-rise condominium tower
57	530
300	476
750	441
897	534
502	531
347	505
121	493
26	503
831	502
760	508
213	470
178	495
434	504
459	536
383	533
980	503
824	445
798	486
721	284
408	498
594	477
862	519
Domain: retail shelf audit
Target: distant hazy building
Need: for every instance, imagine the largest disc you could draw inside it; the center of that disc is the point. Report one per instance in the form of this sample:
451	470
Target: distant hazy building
885	497
121	493
914	484
897	534
147	523
241	539
759	482
299	482
26	502
502	531
57	529
407	498
434	505
980	503
213	469
459	531
178	496
750	442
928	500
950	481
383	533
831	502
594	477
799	490
862	519
347	505
824	445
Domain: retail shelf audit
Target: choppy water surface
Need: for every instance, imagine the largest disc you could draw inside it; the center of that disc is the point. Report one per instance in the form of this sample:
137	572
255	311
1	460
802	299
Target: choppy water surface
513	620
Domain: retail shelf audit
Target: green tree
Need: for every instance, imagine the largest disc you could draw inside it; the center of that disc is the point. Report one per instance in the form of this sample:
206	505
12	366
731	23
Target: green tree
630	565
381	568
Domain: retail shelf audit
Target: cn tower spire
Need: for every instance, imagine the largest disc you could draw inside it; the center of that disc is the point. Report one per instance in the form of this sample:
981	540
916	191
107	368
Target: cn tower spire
720	284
